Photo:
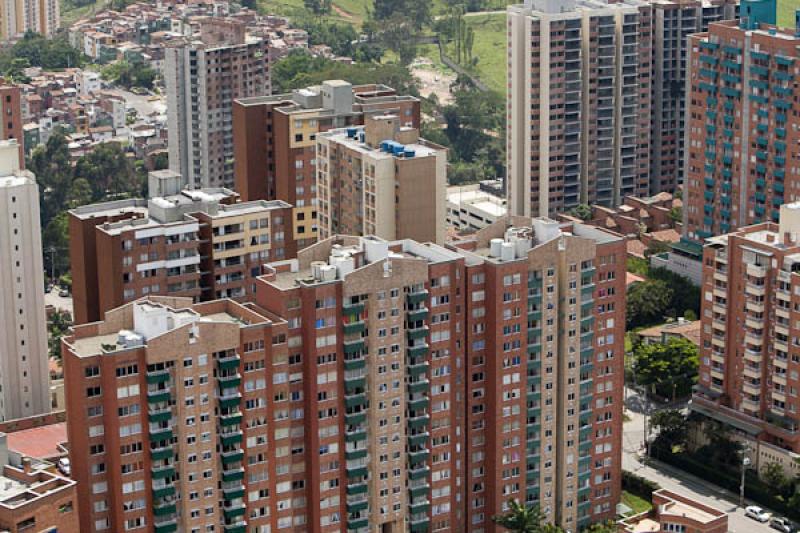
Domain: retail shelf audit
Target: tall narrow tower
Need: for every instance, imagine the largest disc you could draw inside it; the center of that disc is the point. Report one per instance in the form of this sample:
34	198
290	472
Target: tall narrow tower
23	333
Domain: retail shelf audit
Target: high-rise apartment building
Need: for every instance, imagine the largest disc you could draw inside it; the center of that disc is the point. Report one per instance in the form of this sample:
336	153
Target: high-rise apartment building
203	77
740	126
579	103
381	179
673	22
749	363
200	244
20	16
372	386
545	321
275	140
24	374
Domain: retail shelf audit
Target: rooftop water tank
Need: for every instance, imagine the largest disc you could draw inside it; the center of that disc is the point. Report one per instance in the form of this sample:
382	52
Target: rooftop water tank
409	153
495	247
351	133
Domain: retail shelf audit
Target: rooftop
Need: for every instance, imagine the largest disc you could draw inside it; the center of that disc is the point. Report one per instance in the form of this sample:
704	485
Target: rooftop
41	442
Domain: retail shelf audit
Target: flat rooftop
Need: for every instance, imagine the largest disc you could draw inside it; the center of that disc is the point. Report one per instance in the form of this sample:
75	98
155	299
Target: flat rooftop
420	148
40	442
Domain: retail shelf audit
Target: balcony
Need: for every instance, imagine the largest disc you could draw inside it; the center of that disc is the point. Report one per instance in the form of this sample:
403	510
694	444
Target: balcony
162	472
420	472
230	382
230	420
416	297
353	328
416	387
228	401
229	439
354	419
158	396
161	434
232	456
415	315
353	308
355	364
351	347
159	415
419	350
229	363
170	526
417	333
355	400
233	475
233	492
157	376
355	435
164	509
161	453
357	488
163	492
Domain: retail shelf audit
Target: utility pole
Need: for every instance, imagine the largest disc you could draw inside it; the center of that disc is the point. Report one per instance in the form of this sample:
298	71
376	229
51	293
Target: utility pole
745	464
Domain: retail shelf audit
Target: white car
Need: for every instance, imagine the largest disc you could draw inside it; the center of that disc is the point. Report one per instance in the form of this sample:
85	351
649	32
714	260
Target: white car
757	513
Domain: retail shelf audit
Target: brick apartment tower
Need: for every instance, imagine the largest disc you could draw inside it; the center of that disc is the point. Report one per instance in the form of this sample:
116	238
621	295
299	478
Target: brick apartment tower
741	122
578	103
749	364
381	179
384	410
275	140
199	244
203	77
673	22
545	312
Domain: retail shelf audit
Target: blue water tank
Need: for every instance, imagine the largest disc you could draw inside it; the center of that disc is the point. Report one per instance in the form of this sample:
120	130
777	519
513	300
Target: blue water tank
409	153
351	133
398	149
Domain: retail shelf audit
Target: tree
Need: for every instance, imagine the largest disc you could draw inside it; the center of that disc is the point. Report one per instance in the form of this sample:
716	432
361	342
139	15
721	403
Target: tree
583	212
523	519
318	7
648	301
670	368
774	476
605	527
676	214
129	75
673	428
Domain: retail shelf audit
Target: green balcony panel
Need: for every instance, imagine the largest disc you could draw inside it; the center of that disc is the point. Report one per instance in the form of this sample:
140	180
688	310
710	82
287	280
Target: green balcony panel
358	523
417	333
232	457
229	439
159	454
230	401
420	350
230	420
355	364
158	376
355	436
235	528
157	397
159	416
232	475
418	404
164	510
233	493
353	308
351	347
415	387
356	507
233	512
418	473
415	315
230	382
161	434
163	492
418	491
228	363
417	369
420	439
355	400
352	455
163	472
423	506
352	384
417	297
420	457
167	527
354	327
357	488
359	471
355	419
418	422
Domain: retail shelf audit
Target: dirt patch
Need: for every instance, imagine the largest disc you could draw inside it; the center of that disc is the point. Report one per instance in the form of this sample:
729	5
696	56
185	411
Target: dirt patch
432	81
342	13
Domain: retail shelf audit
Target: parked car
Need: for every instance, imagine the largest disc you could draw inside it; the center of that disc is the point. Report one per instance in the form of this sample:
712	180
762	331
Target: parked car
757	513
64	293
63	466
782	524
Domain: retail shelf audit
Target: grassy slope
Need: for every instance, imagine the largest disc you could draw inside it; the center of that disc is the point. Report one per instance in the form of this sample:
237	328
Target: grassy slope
636	503
489	48
786	9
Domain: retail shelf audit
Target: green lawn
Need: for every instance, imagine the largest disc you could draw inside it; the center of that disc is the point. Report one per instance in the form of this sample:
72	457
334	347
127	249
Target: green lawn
639	505
490	49
786	9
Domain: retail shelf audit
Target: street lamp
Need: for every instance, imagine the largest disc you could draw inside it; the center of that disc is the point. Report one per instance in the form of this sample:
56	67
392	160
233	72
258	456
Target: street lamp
745	464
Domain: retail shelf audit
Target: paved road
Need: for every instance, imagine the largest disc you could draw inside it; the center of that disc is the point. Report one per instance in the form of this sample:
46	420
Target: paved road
64	304
678	481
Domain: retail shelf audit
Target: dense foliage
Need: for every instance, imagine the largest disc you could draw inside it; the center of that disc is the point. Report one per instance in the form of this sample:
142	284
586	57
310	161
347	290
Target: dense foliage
299	69
669	369
34	50
663	295
130	74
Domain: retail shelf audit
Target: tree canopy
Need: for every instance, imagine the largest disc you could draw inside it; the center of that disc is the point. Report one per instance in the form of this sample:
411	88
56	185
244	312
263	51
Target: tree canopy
670	368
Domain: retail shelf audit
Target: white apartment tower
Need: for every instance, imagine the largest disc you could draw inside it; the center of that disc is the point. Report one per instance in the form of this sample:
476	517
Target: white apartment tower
578	103
24	376
204	76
